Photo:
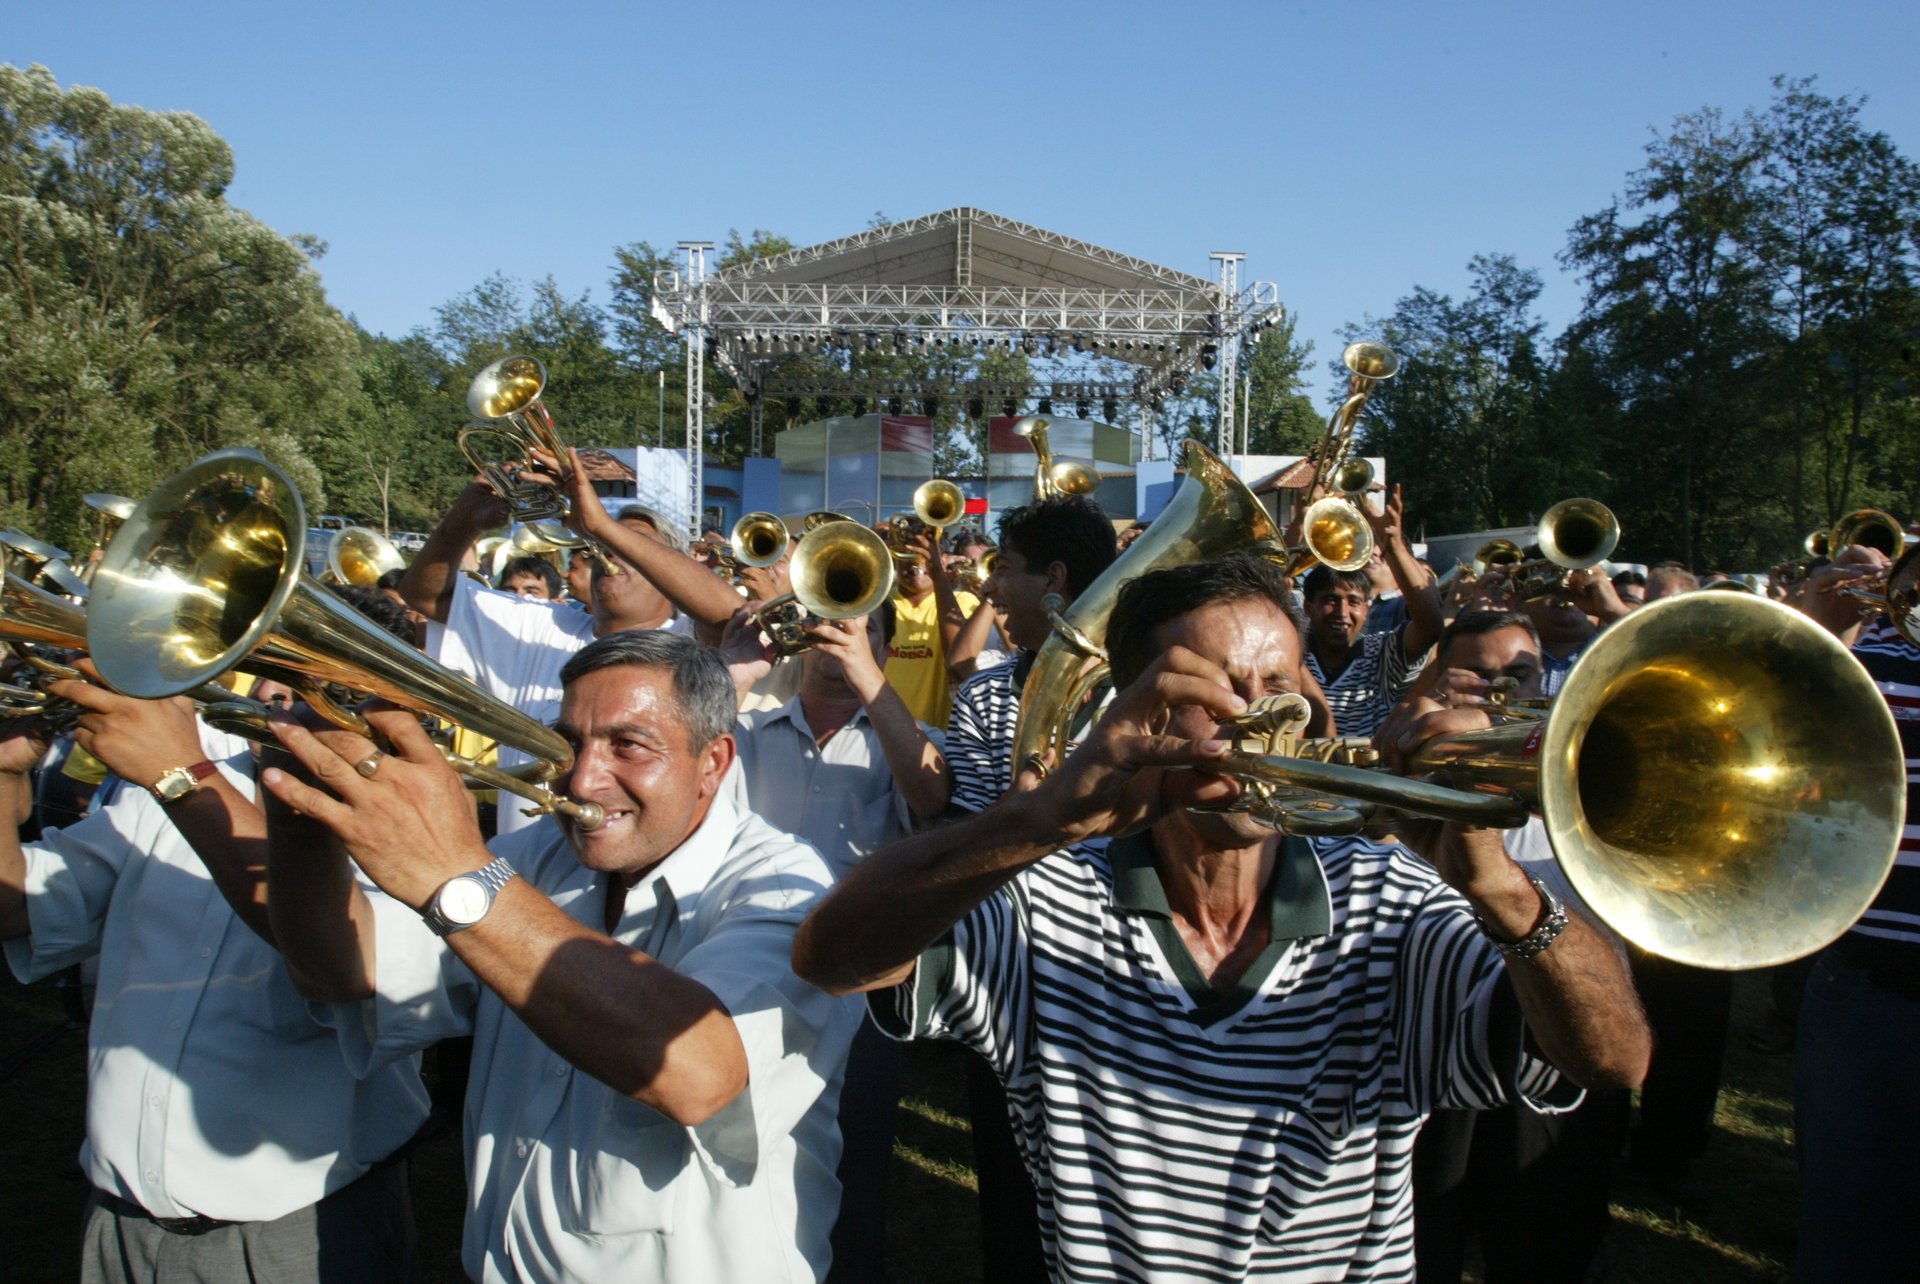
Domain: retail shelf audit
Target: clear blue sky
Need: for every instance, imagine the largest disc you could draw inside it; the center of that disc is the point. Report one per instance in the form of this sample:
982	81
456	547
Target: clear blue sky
430	145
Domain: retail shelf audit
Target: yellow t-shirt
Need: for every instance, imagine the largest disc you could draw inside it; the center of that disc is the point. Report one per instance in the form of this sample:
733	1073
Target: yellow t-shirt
917	662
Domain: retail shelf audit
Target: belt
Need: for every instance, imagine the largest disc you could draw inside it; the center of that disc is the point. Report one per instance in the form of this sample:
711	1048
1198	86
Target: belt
195	1225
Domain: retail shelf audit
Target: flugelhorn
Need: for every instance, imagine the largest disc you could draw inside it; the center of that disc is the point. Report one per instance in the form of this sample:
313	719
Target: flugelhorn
1213	513
839	570
1573	535
208	575
1055	476
1334	532
360	555
506	395
1689	779
34	560
1869	528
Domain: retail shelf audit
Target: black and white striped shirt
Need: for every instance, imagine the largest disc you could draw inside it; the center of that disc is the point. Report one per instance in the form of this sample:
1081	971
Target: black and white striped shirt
1372	683
1174	1134
979	745
1891	925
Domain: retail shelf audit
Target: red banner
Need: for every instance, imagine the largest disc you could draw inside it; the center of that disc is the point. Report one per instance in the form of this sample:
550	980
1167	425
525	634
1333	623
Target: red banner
912	434
1003	440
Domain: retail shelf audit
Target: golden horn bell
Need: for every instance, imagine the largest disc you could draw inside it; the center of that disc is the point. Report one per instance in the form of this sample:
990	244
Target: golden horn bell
840	570
1869	528
358	555
1689	778
938	503
758	539
207	575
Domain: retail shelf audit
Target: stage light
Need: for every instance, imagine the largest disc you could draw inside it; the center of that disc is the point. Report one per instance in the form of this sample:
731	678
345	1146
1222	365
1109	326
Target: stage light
976	408
1083	408
1009	407
893	406
1209	356
793	408
1046	406
1110	409
930	406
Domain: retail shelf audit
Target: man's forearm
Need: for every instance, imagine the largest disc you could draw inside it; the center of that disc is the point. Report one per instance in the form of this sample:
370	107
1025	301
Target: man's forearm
970	641
692	588
1425	618
919	770
904	897
321	920
13	885
431	577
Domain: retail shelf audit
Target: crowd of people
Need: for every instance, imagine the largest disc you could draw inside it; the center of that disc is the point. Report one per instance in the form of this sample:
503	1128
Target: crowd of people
1196	1048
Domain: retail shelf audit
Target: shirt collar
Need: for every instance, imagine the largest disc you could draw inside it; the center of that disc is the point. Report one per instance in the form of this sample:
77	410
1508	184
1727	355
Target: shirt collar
1299	903
671	889
793	713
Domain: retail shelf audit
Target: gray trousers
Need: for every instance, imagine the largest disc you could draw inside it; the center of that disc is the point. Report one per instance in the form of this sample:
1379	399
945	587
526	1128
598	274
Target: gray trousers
361	1232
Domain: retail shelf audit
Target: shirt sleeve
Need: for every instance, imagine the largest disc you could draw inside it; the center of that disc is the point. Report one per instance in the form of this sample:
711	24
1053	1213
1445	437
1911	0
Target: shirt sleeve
970	987
795	1036
71	874
1456	1019
970	749
1396	673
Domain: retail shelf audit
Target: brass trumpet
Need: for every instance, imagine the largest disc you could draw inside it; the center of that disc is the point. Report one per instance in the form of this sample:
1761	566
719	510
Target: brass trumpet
1688	778
1895	593
207	575
360	555
34	560
506	395
758	539
1573	535
839	570
1333	531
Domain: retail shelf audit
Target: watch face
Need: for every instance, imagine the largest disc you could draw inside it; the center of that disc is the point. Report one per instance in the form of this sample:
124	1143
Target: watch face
463	900
174	784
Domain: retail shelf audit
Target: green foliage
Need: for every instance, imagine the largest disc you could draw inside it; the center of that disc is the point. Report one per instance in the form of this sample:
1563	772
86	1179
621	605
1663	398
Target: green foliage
148	321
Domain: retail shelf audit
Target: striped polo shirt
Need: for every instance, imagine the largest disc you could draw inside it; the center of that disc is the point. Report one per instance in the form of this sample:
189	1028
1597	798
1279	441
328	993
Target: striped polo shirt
1891	926
1372	683
979	745
1178	1134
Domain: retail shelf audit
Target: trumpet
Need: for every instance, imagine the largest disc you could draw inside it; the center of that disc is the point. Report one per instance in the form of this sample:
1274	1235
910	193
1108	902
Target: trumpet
1052	476
1333	531
1573	535
758	539
839	570
1895	593
973	576
1687	776
360	555
506	395
207	576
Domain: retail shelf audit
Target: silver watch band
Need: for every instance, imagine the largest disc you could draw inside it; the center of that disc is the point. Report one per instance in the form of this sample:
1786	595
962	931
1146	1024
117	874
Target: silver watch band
1535	942
492	876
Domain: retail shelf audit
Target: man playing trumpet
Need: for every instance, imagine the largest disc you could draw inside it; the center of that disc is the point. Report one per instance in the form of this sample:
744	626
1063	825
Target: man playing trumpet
1219	1044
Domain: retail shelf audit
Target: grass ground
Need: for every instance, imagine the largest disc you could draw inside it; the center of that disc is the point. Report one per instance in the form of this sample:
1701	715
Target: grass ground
1739	1231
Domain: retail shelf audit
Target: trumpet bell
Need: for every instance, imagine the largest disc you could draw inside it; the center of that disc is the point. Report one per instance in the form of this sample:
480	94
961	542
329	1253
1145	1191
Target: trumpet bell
938	503
358	555
758	539
506	387
1371	360
1336	535
840	570
1578	533
1696	794
1072	477
1869	528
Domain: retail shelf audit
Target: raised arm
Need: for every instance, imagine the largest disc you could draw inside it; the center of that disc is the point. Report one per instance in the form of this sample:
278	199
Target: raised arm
964	655
693	589
1425	620
616	1013
22	742
919	769
894	904
431	576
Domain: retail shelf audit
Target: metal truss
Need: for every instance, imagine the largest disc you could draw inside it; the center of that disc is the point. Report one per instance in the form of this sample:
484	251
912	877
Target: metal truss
1167	324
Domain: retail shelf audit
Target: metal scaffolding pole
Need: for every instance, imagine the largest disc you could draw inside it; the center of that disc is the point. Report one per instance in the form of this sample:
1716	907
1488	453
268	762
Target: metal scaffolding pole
696	341
1228	362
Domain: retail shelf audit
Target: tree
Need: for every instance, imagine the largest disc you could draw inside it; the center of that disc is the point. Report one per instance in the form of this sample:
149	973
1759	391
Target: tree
1281	419
148	321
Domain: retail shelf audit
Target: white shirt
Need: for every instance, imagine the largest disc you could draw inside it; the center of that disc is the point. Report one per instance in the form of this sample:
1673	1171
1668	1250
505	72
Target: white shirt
514	648
841	797
567	1178
210	1088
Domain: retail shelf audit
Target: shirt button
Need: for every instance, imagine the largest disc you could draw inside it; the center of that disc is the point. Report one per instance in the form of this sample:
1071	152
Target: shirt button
560	1070
520	1149
153	1176
173	1025
155	1102
206	954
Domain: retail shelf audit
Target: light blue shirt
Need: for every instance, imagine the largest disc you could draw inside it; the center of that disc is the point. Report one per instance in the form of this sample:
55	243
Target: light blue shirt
567	1178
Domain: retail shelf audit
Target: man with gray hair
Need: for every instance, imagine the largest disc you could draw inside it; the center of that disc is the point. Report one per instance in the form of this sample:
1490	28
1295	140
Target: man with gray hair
653	1089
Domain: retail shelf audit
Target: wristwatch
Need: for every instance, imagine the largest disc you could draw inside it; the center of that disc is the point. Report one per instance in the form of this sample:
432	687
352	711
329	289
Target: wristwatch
177	782
465	899
1552	923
